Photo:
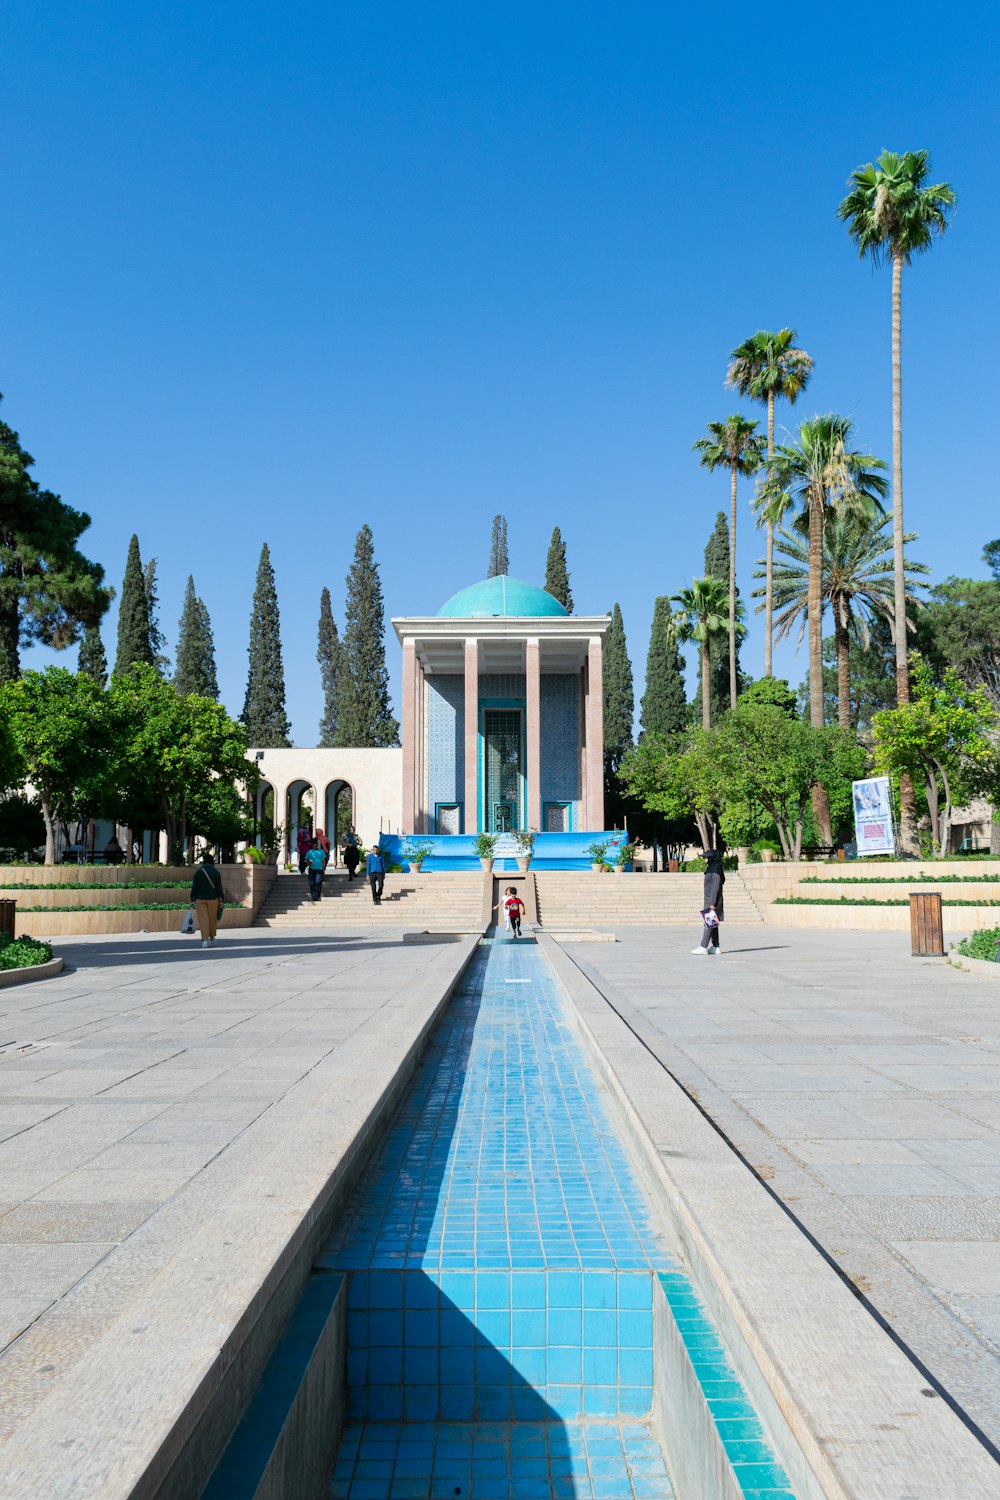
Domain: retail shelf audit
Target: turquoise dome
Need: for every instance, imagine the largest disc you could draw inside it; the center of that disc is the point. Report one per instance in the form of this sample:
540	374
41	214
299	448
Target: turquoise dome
500	596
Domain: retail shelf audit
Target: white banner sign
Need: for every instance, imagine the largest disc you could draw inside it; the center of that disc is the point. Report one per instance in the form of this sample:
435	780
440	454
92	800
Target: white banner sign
873	828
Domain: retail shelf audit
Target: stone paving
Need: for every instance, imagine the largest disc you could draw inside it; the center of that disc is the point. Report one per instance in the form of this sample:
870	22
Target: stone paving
864	1087
140	1088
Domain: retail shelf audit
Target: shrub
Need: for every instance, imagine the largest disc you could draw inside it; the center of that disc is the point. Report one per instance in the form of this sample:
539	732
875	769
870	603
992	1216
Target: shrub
984	944
22	952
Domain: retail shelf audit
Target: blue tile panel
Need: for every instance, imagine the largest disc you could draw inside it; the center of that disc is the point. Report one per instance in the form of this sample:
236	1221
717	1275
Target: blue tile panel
747	1447
560	740
502	687
495	1461
445	739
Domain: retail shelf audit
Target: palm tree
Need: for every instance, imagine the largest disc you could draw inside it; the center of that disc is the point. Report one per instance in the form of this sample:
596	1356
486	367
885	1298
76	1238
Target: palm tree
893	213
702	616
857	586
816	473
764	367
735	445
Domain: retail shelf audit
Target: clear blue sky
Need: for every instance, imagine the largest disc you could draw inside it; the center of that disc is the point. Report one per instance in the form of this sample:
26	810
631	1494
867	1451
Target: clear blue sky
272	271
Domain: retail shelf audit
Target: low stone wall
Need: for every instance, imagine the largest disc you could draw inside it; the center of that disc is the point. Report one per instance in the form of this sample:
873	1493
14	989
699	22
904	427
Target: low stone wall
856	880
955	919
84	887
83	923
245	884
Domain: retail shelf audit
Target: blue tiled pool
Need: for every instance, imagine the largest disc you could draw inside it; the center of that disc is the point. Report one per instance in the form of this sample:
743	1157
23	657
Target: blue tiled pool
500	1255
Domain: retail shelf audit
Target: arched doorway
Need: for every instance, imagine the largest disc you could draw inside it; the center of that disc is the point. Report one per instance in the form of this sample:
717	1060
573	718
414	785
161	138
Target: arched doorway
339	807
263	825
300	805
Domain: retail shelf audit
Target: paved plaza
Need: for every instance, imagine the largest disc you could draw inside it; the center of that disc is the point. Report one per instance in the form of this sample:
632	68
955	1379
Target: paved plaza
863	1086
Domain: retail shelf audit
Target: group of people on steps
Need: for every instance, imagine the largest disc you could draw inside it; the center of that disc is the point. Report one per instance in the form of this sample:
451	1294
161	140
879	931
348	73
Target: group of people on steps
314	855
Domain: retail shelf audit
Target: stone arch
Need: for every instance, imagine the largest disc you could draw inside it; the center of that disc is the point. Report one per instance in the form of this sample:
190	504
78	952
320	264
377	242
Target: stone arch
295	790
336	827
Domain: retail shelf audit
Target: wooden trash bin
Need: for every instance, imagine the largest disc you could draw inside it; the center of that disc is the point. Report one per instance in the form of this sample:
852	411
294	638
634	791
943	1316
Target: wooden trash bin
7	911
926	928
673	865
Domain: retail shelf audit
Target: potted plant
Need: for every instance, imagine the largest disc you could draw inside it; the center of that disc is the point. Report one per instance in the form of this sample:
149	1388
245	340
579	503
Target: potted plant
526	844
417	851
597	852
626	854
484	846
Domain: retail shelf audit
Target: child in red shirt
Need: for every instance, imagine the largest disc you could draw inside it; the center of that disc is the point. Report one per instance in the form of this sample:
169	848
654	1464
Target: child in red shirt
513	907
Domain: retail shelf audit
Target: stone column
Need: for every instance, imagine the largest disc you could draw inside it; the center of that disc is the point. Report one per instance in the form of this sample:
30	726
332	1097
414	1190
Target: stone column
472	736
594	713
409	737
423	813
533	731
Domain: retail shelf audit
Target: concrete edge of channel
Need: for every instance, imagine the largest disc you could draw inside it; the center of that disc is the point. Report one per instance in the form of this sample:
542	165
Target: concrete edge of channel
47	970
849	1413
149	1410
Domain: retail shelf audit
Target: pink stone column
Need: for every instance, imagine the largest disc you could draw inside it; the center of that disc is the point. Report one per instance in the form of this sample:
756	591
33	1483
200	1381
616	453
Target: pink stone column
472	736
409	736
594	715
420	750
533	730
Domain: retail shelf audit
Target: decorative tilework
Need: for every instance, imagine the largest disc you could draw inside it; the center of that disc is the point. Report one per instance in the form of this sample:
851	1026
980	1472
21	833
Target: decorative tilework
560	714
508	686
445	739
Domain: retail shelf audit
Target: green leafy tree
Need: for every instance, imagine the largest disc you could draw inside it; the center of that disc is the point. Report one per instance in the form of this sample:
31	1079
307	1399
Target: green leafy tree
157	640
328	655
22	827
768	367
264	715
556	572
772	692
762	754
960	627
195	671
892	213
664	709
619	712
93	658
170	750
857	586
702	615
60	726
991	557
675	779
48	590
364	710
499	561
134	637
945	736
736	445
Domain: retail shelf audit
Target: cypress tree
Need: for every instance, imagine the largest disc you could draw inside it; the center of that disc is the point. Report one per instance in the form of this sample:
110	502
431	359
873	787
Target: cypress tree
264	706
619	695
364	712
195	672
717	566
556	574
134	643
499	562
93	658
157	640
664	709
328	656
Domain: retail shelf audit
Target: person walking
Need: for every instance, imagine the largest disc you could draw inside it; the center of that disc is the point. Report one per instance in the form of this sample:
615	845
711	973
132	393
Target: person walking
375	870
316	869
206	897
712	912
352	854
302	841
514	908
324	844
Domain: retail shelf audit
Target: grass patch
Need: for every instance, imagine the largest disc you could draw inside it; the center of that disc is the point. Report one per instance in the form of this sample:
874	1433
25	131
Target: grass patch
863	901
96	885
82	911
897	879
982	944
22	952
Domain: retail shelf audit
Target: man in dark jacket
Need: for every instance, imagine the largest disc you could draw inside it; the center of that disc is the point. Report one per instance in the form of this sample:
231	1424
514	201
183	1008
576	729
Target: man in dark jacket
206	897
375	870
715	879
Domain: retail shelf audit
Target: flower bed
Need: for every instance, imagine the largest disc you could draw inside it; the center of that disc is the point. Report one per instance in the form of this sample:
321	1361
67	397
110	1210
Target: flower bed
22	952
982	945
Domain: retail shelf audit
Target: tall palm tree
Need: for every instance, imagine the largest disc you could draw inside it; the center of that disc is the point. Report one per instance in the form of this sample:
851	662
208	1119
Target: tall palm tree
765	367
858	585
735	445
815	473
702	616
893	213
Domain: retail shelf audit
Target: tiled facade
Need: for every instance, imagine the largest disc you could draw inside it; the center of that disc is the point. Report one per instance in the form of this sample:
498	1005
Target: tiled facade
445	740
561	742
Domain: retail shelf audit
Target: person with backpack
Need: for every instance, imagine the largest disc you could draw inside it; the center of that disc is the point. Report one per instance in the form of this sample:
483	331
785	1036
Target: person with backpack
315	869
207	898
375	870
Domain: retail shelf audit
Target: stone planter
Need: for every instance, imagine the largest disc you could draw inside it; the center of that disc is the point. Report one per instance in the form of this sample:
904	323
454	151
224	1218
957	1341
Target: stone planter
523	863
487	865
597	866
416	869
743	855
767	856
618	869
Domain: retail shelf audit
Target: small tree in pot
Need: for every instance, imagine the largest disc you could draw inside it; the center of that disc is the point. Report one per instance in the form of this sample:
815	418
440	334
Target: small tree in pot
417	851
597	852
526	844
485	846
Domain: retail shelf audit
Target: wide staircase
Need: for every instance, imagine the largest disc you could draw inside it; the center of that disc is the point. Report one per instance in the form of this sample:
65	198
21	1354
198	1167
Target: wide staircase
435	903
587	898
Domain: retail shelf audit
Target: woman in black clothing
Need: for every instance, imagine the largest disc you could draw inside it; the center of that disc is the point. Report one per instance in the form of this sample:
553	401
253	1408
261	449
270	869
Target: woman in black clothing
715	879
